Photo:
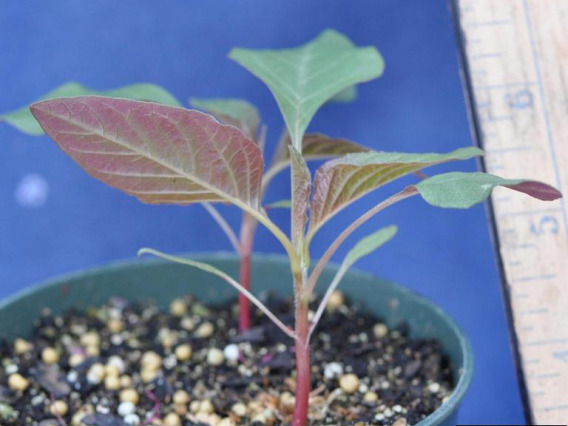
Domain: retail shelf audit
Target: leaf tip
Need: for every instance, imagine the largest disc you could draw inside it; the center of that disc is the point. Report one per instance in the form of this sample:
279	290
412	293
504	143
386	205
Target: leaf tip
539	190
143	251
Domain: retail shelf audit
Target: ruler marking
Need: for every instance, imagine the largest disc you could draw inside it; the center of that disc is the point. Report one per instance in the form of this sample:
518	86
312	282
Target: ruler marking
537	311
553	408
533	278
545	342
544	376
496	22
505	85
529	212
488	55
545	110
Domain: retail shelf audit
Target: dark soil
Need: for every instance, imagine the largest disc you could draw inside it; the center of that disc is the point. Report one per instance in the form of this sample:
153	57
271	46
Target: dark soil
400	379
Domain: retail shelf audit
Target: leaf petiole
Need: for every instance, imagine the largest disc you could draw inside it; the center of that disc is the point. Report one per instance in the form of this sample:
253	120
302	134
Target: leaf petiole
211	269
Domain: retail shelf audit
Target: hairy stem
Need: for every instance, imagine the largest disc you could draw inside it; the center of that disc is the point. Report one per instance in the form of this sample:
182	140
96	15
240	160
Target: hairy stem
248	228
303	381
405	193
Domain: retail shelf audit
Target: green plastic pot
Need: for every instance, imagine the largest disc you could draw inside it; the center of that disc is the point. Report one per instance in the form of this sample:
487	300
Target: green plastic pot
162	281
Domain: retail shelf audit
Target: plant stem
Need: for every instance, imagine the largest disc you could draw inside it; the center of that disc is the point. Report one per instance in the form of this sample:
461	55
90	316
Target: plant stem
303	381
248	228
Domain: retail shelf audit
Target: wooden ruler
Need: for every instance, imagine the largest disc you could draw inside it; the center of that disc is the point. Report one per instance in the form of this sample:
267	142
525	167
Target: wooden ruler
515	65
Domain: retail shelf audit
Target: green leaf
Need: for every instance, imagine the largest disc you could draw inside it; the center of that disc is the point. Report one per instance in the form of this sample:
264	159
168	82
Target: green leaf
23	120
463	190
158	153
341	181
236	112
302	79
369	244
345	96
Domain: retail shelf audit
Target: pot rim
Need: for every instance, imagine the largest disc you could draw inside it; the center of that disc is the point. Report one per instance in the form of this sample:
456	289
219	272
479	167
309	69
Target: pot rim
437	417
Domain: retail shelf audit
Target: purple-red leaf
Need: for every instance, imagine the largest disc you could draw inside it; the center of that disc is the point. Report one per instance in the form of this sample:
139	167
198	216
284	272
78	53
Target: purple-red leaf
160	154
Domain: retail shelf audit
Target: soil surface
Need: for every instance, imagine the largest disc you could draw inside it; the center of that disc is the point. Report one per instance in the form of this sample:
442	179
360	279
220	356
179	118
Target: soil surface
124	364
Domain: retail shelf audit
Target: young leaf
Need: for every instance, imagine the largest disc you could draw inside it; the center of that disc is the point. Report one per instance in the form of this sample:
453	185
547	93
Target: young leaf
236	112
369	244
315	146
304	78
363	248
341	181
160	154
463	190
301	187
24	121
215	271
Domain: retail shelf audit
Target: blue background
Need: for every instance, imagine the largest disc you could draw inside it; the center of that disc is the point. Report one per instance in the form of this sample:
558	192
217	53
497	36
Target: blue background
417	106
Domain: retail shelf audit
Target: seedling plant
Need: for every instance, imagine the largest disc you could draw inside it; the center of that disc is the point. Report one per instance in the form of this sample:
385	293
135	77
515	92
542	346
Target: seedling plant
164	154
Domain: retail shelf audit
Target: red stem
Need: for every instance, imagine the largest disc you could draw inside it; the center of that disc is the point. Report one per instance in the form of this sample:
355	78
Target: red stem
303	382
248	228
244	303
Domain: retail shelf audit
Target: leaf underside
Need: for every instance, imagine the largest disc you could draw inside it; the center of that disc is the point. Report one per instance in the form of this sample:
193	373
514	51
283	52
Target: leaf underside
302	79
24	121
160	154
343	180
464	190
236	112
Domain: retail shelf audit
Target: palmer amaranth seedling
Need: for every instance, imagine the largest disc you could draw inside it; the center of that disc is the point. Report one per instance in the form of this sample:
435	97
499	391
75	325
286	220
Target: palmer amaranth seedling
164	154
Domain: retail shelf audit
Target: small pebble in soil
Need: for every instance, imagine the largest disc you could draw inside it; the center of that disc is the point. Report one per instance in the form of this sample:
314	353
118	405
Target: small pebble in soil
205	330
215	357
335	301
349	383
58	408
17	382
178	308
380	330
22	346
132	419
332	370
172	419
129	395
370	396
183	352
239	409
125	408
181	397
49	356
151	361
231	352
125	364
